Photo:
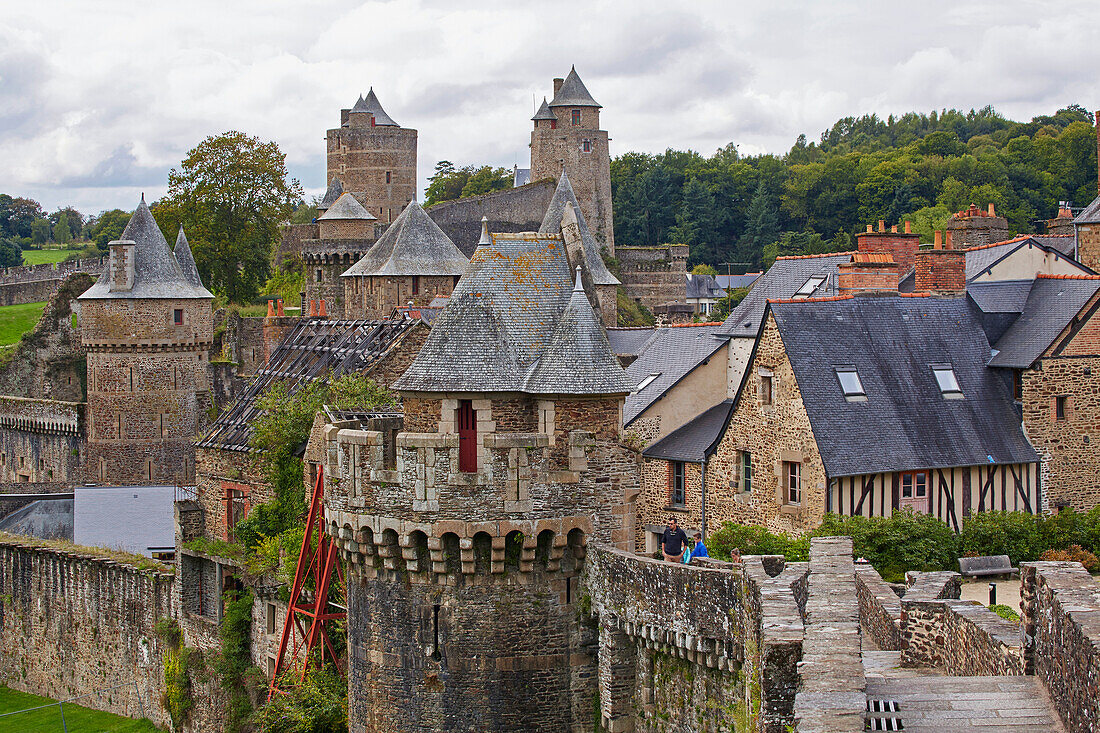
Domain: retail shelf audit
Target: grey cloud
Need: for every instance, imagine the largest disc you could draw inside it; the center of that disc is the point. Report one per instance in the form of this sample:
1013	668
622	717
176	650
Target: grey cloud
119	169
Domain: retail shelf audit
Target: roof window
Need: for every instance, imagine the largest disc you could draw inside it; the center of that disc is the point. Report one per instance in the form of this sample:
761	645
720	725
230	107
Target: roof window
948	383
850	384
809	286
646	382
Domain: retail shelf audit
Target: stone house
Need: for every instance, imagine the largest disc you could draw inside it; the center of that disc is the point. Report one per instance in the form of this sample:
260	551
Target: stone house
411	264
146	328
703	292
464	533
345	233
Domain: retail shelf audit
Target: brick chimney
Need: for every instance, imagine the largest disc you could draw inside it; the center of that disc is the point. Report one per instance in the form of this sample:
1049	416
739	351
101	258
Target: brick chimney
868	273
559	82
901	246
941	270
120	264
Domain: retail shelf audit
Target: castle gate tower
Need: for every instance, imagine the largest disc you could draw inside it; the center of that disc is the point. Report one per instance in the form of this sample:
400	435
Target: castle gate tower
373	158
464	533
147	328
567	134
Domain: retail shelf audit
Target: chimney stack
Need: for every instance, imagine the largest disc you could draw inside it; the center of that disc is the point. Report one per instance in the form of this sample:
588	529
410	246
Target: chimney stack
559	82
992	209
279	312
901	246
908	227
120	264
941	270
312	308
868	273
881	225
937	242
947	238
321	309
271	309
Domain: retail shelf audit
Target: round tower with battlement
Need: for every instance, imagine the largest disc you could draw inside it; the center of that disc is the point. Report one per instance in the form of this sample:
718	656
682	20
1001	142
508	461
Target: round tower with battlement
374	158
146	326
974	227
567	135
465	531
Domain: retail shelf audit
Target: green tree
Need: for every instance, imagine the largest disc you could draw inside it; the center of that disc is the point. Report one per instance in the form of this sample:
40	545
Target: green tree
73	218
18	214
695	220
703	270
230	193
11	255
485	180
40	230
761	226
62	234
108	226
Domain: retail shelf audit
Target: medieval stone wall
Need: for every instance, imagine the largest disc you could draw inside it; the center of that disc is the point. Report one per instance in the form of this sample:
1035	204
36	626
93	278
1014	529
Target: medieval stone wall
38	283
363	157
963	638
376	297
218	470
1069	461
654	275
290	245
41	445
1088	245
73	624
879	610
512	210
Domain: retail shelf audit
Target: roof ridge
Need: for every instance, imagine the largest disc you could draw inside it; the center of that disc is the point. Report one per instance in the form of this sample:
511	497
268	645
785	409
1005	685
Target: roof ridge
1048	276
692	325
1017	238
823	254
916	294
822	299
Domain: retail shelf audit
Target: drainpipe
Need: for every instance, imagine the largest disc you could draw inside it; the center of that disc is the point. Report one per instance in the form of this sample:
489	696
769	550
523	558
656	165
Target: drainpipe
703	512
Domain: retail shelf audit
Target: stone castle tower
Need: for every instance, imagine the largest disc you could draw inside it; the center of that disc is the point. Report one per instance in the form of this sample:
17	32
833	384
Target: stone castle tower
1087	224
464	533
373	158
146	326
567	134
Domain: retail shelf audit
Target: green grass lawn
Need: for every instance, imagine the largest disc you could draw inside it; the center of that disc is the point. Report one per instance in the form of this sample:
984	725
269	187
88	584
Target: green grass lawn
48	720
42	256
16	320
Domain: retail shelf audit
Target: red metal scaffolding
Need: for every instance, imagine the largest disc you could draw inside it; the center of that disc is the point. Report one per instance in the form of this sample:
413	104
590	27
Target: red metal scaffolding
307	613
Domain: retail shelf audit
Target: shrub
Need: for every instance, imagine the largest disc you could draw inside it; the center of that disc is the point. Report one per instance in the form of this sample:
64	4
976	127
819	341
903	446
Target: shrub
754	540
1006	612
906	540
1016	534
316	705
1074	553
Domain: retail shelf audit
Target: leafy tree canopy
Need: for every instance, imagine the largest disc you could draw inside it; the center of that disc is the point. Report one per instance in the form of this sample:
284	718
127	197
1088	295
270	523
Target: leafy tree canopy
922	167
18	214
108	226
230	194
449	183
11	254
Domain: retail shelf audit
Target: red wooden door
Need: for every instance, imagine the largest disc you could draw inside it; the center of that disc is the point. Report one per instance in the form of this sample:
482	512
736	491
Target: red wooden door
467	437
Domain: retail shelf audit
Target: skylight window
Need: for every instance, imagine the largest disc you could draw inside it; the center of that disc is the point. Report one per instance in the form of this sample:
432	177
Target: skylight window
646	382
948	383
850	384
809	286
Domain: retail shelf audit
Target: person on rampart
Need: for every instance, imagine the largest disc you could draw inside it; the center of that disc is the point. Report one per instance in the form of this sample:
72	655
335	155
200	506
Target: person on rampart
700	550
673	541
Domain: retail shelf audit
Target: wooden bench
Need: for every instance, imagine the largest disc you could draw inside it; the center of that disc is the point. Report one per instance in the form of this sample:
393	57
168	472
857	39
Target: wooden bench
976	567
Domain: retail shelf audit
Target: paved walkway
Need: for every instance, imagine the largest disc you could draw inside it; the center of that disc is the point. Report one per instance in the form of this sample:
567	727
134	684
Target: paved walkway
928	701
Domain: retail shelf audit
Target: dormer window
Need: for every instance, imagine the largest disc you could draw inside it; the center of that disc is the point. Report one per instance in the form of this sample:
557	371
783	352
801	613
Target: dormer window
575	118
809	286
646	382
948	383
850	384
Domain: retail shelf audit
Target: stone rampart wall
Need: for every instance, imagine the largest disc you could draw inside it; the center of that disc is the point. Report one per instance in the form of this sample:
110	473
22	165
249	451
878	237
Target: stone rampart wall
41	443
1061	623
512	210
963	638
37	283
879	610
73	624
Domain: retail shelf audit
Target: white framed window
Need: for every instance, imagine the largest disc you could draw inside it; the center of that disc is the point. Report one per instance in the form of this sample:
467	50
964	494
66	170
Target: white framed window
792	482
850	383
914	485
646	381
946	380
809	286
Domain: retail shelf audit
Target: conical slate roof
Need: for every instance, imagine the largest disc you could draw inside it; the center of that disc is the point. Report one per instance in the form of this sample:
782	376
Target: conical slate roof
371	104
335	188
412	245
573	93
578	359
157	274
186	260
544	112
346	207
551	224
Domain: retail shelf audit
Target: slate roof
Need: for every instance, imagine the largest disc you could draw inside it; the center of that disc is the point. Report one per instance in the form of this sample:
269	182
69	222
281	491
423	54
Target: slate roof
981	259
1064	243
573	93
412	245
371	104
738	281
551	224
157	274
314	349
704	286
578	359
905	423
335	189
696	440
1090	214
671	354
503	318
544	112
1051	304
346	207
186	260
630	341
782	280
1004	296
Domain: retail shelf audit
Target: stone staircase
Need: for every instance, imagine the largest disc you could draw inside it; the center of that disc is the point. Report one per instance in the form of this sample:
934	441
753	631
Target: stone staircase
928	700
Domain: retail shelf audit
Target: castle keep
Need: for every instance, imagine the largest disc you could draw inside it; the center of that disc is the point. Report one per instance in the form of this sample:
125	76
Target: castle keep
146	327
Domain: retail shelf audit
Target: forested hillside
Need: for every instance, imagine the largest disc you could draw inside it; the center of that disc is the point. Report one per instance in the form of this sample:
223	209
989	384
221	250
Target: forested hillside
733	208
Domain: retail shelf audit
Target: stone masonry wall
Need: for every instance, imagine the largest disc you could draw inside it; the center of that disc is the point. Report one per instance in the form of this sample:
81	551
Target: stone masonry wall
963	638
72	624
217	470
1061	623
38	283
41	444
879	610
512	210
654	275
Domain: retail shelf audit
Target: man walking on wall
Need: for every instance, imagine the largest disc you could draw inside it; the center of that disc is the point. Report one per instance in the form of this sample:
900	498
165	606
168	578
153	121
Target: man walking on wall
673	541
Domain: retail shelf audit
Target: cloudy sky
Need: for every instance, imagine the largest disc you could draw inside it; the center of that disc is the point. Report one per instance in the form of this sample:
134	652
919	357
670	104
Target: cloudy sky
99	99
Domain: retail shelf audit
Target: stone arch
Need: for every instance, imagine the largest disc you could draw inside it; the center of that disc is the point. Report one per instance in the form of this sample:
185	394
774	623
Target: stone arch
544	546
483	553
574	550
513	550
418	541
452	553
